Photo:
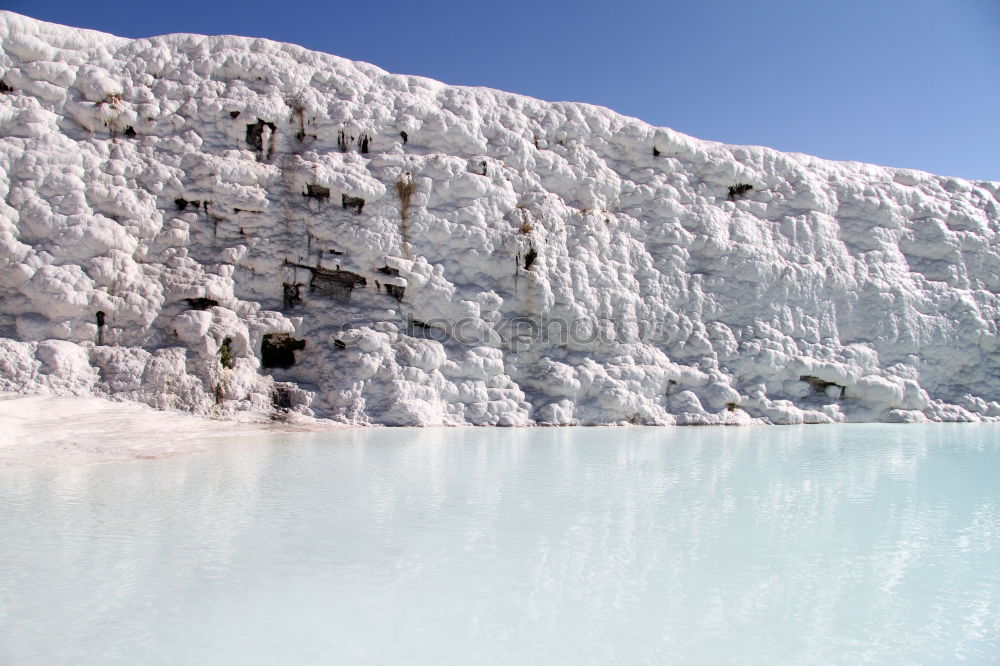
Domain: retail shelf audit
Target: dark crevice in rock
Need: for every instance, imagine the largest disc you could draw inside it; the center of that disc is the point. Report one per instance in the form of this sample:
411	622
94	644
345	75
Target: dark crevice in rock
184	203
335	283
277	350
291	296
405	137
317	192
395	290
529	258
419	329
355	204
255	137
129	132
385	270
226	353
100	327
820	386
4	88
738	190
201	303
281	396
234	114
656	151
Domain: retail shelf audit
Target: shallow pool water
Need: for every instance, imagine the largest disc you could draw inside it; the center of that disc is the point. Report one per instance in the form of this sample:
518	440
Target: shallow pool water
859	544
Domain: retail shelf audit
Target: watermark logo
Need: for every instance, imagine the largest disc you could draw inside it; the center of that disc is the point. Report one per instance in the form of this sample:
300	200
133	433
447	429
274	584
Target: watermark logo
521	333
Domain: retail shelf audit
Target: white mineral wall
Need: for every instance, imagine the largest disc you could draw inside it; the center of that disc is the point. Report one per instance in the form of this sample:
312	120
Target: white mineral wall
178	213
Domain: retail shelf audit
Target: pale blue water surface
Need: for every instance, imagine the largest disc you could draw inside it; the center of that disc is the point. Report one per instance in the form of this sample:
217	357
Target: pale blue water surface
765	545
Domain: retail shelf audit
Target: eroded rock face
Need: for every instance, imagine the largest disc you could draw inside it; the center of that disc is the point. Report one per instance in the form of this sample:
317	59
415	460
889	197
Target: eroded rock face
411	253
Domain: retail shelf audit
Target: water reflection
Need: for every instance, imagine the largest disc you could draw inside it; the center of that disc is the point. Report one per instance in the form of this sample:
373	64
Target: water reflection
812	545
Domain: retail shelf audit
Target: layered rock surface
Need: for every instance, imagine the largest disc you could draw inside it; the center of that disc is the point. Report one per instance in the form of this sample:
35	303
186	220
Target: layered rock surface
252	230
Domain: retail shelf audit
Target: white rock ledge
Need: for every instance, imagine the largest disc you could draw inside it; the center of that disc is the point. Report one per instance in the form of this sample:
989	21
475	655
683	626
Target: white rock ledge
247	229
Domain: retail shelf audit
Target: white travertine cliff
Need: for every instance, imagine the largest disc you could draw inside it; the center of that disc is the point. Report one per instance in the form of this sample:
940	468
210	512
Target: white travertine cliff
247	229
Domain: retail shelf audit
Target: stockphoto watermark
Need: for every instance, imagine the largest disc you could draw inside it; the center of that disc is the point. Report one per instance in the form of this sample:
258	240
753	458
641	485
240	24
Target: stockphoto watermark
520	333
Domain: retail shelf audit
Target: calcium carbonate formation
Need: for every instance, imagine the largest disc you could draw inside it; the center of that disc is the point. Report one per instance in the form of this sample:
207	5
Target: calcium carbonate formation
247	229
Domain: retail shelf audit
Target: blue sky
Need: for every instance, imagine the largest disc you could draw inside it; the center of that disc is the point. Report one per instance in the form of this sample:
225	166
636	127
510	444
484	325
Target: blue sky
911	83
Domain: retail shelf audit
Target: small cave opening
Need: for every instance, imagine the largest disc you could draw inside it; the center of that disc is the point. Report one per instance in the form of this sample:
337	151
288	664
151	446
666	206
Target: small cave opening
277	350
129	132
405	137
529	258
291	295
317	192
4	88
656	151
100	327
738	190
226	353
255	134
182	204
363	141
355	204
335	284
201	303
234	114
386	270
281	397
395	291
420	329
820	386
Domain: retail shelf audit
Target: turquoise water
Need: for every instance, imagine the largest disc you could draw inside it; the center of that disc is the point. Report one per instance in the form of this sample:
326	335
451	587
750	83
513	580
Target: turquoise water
787	545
